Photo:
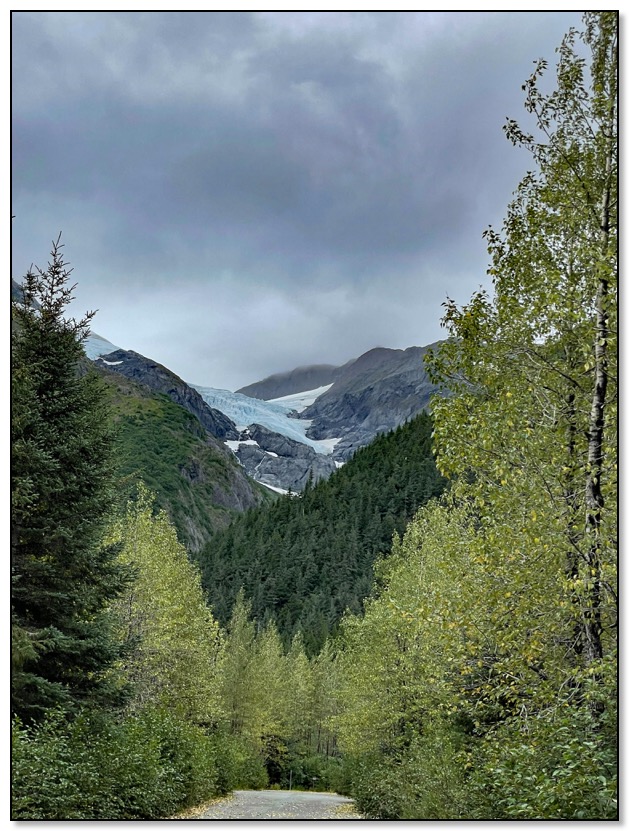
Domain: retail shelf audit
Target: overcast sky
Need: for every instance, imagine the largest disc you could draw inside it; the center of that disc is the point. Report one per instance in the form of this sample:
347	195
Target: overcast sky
241	193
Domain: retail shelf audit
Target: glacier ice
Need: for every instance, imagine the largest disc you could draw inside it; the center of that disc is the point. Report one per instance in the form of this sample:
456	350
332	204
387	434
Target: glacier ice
95	346
274	415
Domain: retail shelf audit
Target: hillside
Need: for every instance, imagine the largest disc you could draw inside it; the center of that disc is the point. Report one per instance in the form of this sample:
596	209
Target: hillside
196	478
305	560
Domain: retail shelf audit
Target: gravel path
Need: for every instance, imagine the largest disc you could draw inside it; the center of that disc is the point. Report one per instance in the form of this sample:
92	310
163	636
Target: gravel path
281	805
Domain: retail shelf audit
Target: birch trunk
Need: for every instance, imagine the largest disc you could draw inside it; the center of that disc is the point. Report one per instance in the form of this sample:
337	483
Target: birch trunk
594	501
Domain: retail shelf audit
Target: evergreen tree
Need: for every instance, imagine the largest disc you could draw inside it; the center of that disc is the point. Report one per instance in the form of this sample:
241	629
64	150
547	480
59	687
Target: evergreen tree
304	561
63	577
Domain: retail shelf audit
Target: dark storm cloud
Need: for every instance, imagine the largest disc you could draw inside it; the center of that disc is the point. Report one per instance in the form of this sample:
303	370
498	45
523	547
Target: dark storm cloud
241	192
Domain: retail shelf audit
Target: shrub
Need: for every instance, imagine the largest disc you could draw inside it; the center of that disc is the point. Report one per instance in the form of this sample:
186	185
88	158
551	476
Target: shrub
561	767
145	767
379	789
239	763
423	778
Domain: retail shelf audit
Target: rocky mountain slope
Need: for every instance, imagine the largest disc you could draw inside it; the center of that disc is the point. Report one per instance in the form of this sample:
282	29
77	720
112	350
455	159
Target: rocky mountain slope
279	461
369	395
373	394
195	477
297	425
160	379
170	439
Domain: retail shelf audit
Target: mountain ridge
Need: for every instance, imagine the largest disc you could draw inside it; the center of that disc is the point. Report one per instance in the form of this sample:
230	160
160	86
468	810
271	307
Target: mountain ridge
300	379
161	379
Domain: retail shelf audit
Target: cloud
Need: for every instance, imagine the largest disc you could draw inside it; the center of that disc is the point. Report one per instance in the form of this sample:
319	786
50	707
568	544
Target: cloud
230	173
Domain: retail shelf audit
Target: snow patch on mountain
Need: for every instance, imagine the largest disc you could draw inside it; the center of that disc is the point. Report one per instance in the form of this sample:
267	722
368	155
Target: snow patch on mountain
234	444
327	445
274	415
298	401
276	489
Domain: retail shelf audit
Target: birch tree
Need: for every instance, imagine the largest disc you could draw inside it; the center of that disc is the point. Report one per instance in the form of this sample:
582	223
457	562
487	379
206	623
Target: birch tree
534	368
173	645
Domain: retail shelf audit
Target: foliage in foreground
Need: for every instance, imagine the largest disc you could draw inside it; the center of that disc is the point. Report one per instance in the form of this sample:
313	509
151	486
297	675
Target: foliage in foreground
210	711
63	577
453	707
145	767
481	682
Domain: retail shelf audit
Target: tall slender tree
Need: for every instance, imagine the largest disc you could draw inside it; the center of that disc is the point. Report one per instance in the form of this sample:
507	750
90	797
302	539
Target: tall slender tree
61	476
173	645
539	359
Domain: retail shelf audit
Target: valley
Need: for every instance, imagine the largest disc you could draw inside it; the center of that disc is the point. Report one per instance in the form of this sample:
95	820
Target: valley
306	433
383	588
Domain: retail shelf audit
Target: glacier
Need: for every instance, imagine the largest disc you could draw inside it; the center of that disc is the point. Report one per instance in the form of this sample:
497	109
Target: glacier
274	414
95	346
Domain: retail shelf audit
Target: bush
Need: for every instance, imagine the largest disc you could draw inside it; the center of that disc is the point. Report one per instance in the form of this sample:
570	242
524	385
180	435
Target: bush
379	789
226	762
423	778
239	762
146	767
187	759
562	767
341	781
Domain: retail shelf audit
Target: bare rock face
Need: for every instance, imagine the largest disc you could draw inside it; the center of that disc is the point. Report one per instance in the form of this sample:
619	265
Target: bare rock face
278	444
160	379
280	462
374	394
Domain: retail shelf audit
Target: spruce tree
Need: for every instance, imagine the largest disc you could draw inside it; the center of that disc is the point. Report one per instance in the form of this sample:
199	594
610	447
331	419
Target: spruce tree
63	578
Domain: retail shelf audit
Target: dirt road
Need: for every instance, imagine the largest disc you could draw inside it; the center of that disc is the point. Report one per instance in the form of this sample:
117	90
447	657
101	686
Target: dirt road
281	805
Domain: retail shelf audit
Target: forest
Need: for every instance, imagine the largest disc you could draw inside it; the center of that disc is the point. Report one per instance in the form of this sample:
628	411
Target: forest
433	631
304	562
